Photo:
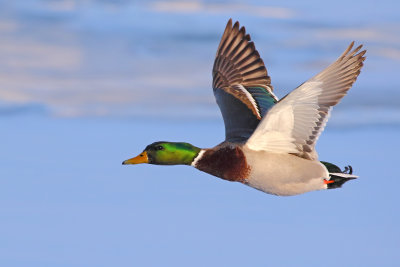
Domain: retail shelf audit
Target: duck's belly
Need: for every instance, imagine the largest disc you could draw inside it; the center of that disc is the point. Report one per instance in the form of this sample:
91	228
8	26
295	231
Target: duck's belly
284	174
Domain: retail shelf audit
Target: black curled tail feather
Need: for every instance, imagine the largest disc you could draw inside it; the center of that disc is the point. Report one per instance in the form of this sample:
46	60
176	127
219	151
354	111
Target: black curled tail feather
337	177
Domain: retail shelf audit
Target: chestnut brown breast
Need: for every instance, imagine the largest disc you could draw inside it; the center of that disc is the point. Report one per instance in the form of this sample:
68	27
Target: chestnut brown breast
226	162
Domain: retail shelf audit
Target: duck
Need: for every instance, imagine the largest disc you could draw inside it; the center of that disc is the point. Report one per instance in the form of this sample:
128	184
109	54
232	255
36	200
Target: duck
269	142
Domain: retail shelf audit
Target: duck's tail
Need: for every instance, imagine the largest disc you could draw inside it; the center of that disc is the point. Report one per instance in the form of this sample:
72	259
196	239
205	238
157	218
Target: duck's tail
337	176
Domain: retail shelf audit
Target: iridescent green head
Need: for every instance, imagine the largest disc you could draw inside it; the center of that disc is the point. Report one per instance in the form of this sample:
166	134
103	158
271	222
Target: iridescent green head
166	153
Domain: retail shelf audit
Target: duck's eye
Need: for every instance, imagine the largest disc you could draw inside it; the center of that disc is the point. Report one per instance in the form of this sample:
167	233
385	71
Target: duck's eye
159	148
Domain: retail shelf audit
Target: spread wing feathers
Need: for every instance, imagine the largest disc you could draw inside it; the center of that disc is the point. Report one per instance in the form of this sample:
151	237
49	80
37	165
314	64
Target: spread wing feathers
238	67
294	124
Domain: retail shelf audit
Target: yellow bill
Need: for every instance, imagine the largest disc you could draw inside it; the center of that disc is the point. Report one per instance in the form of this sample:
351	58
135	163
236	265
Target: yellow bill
141	158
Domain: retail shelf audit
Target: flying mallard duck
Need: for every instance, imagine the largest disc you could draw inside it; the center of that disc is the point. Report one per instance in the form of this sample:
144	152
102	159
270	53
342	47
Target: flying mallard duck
270	143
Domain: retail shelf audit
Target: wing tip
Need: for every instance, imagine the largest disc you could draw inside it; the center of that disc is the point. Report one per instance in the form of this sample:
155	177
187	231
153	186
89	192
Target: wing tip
236	25
354	52
229	24
237	55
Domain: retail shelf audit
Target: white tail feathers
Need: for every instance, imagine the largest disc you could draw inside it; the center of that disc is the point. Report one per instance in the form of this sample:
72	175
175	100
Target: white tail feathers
344	175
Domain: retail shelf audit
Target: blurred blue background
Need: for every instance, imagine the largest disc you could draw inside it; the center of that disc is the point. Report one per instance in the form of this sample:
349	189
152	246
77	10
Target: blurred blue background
85	85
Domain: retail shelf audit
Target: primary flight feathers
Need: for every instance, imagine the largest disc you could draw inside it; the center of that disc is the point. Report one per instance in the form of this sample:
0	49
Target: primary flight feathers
294	124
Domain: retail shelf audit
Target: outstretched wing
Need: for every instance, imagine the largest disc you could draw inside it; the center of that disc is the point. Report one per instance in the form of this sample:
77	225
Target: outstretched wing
241	84
294	124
